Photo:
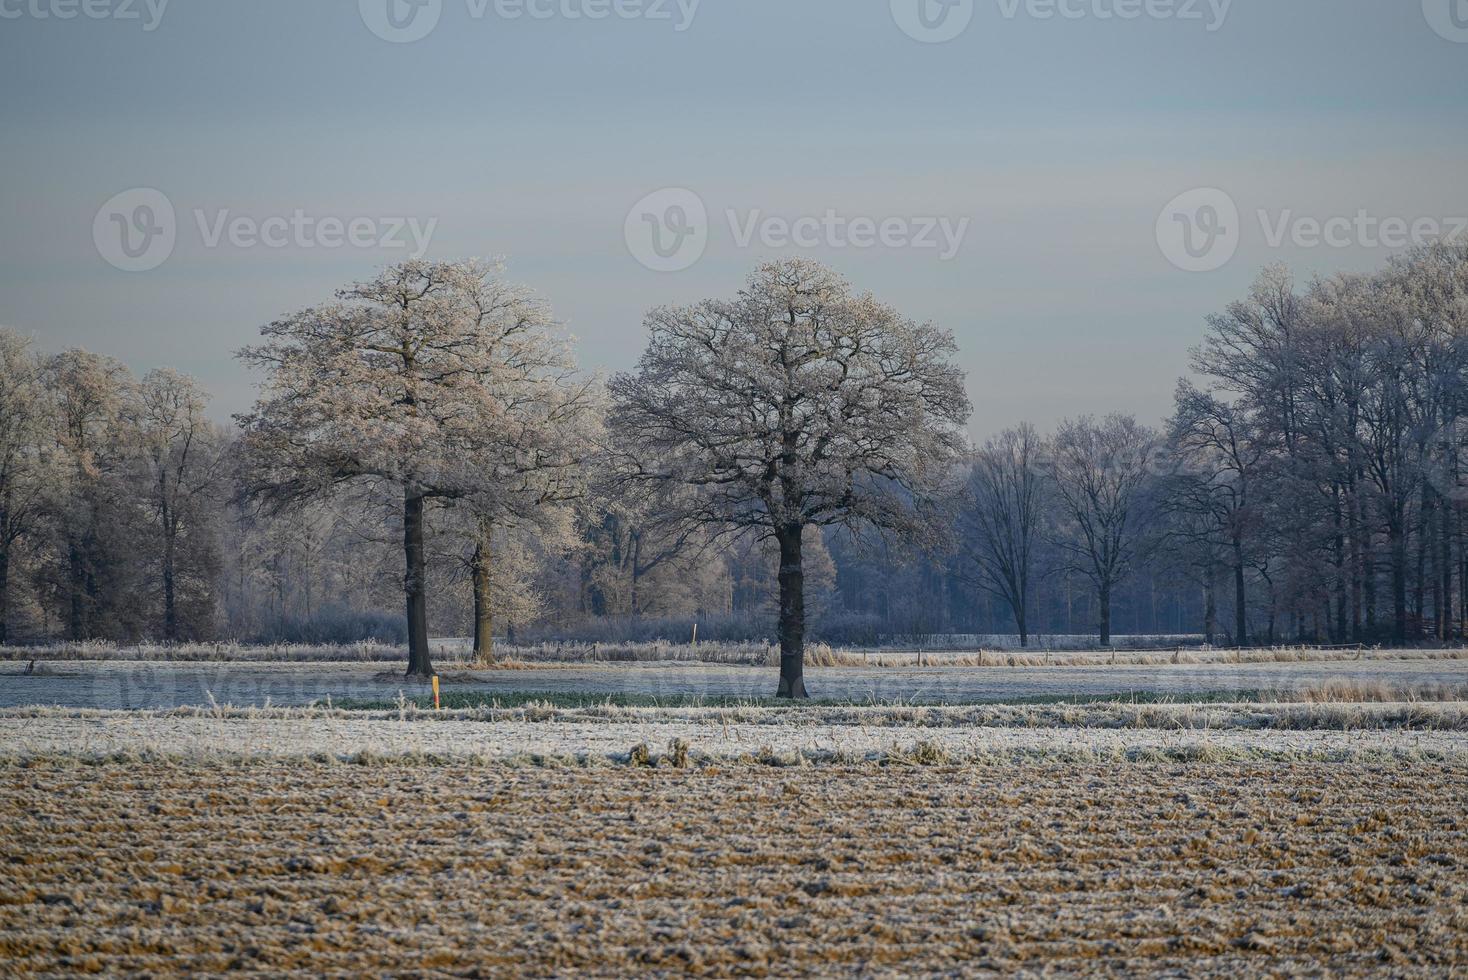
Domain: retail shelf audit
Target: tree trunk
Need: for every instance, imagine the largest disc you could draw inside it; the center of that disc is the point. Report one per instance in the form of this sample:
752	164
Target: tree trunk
170	597
792	614
1368	581
1399	583
1104	600
415	586
4	591
1341	586
1445	558
1423	542
483	614
1070	607
1241	596
76	586
634	601
1210	610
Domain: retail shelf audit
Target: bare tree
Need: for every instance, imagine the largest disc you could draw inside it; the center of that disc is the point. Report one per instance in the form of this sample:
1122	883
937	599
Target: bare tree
798	403
433	378
1003	518
22	474
631	536
86	393
1101	473
179	452
537	466
1221	457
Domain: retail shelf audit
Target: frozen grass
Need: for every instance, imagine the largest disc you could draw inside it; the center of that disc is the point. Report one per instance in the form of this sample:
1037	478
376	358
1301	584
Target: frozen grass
1336	691
842	735
224	652
125	684
913	868
1277	711
452	655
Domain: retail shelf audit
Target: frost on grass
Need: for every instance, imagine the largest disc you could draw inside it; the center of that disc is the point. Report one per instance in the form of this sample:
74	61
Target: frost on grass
154	685
994	652
708	736
1207	869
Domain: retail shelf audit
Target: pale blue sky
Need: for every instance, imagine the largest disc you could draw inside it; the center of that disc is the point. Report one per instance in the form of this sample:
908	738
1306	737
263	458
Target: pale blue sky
1060	140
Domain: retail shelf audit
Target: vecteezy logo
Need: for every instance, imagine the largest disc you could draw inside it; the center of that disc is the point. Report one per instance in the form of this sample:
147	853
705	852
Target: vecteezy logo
1199	231
1444	449
1448	17
400	21
136	230
933	21
668	230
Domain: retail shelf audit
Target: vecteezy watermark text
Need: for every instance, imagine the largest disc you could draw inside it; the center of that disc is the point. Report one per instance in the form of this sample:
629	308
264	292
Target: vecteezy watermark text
835	230
1200	230
405	21
148	12
1210	13
936	21
137	230
669	230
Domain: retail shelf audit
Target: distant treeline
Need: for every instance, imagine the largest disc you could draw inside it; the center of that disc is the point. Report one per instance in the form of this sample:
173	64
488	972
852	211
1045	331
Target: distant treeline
1308	484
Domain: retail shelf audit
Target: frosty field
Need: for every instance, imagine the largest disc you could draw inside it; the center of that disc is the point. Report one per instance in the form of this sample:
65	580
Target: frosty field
1209	820
1203	869
144	684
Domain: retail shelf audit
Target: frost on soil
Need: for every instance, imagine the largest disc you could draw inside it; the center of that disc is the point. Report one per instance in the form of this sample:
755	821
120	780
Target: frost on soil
1199	869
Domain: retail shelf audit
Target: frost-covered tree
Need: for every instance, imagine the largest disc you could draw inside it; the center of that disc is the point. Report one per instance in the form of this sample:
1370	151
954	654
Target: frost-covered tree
1220	457
1101	476
86	393
797	403
22	437
179	457
534	469
1003	517
437	378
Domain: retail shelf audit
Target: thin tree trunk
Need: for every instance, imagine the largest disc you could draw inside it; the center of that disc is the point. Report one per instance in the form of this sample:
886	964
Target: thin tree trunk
1210	611
483	614
633	600
1241	596
1070	626
1368	581
1462	581
1445	557
76	587
170	597
1016	595
415	586
1104	599
792	614
1341	588
4	588
1399	582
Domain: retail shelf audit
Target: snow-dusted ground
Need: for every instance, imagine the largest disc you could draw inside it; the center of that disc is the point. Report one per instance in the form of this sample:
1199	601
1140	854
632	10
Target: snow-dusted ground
97	684
266	738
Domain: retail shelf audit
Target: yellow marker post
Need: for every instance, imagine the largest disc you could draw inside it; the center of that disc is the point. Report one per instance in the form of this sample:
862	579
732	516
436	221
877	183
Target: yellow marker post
435	692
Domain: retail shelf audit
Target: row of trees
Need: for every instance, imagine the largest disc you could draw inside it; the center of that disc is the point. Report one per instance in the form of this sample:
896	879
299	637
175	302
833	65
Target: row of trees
106	495
798	448
1314	472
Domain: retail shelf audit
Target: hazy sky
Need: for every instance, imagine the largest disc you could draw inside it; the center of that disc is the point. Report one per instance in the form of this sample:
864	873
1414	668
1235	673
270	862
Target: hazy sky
1060	139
